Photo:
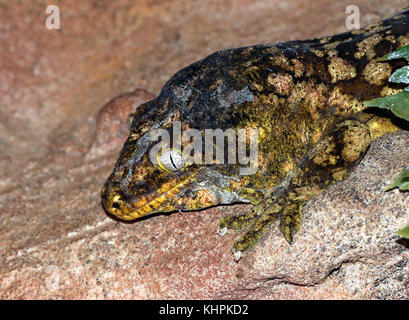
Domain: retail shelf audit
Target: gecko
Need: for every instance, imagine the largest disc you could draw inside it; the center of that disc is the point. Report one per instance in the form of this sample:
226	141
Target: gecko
305	98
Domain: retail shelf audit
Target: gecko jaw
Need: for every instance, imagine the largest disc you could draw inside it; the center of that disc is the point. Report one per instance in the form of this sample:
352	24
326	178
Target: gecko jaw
160	201
144	207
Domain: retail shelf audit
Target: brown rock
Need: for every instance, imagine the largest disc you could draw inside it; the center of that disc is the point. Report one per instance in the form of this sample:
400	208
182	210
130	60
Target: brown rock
114	120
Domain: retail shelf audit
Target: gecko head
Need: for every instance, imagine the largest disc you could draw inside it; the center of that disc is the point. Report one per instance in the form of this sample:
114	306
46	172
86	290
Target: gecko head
152	176
139	188
140	185
155	174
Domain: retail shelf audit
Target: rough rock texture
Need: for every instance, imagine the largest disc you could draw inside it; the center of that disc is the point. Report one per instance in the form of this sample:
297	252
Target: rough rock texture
57	146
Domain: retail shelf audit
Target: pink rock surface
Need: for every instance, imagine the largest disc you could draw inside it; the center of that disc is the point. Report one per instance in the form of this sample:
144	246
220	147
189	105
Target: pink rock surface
57	147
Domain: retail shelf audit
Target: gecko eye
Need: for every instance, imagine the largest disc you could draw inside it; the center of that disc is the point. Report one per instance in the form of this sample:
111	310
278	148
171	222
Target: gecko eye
171	160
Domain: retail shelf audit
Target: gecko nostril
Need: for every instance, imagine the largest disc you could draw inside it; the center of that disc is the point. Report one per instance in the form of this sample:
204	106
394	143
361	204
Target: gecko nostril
116	205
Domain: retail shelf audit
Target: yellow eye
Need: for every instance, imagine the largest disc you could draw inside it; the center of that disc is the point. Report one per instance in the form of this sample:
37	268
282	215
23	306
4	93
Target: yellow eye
171	160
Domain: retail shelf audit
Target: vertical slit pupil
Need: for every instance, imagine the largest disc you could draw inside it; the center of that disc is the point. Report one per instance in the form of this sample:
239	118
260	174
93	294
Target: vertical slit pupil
171	160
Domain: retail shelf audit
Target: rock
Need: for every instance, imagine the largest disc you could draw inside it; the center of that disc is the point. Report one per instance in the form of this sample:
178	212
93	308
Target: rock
114	120
348	236
346	248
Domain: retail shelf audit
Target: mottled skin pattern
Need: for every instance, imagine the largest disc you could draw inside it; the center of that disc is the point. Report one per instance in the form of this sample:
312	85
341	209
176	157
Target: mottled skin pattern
306	99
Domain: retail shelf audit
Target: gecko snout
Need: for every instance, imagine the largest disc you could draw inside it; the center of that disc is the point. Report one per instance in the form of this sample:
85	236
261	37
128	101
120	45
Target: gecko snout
112	201
122	205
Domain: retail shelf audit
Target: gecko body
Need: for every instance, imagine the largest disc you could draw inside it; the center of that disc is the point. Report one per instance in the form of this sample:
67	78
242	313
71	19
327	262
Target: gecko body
306	100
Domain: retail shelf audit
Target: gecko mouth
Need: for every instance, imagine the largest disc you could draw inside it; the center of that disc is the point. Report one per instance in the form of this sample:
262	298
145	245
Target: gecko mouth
167	198
159	203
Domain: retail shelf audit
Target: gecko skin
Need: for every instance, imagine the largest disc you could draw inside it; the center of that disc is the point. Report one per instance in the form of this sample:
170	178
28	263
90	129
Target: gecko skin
305	98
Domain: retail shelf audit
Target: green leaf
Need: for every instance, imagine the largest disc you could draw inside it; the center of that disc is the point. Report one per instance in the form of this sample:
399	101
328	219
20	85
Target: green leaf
402	182
404	232
400	76
402	52
398	104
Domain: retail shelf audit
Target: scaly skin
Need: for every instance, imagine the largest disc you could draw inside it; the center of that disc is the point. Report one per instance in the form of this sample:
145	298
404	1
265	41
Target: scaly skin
306	99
